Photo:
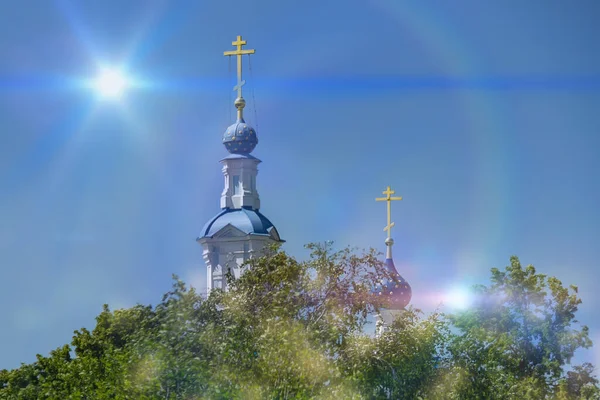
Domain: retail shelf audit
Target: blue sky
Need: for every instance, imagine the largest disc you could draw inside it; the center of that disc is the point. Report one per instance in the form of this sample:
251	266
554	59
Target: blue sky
484	117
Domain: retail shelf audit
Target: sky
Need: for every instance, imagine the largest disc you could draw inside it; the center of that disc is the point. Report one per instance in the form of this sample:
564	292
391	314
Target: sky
483	116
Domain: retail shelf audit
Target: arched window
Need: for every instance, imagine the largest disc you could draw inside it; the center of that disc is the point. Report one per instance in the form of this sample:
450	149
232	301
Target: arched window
236	184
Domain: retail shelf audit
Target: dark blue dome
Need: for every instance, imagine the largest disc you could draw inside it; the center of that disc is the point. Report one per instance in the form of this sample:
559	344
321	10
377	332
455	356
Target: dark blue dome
396	292
247	221
240	138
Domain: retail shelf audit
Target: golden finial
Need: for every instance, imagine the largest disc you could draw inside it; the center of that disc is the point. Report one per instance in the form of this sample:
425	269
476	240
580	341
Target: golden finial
240	103
388	193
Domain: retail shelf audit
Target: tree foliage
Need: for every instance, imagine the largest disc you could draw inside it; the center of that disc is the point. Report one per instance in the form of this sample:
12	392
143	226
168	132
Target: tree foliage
517	338
298	330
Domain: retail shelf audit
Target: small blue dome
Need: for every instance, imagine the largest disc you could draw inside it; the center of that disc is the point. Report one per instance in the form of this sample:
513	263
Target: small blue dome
246	220
240	138
396	292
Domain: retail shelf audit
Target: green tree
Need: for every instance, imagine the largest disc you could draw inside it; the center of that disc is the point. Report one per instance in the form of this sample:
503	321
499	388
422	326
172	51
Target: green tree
517	338
296	330
402	362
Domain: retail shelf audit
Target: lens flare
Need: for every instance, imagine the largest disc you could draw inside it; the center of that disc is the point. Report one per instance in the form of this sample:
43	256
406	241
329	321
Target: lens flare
111	83
458	299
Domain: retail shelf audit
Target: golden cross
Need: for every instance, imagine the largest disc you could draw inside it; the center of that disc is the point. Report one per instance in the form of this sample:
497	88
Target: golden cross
239	52
388	197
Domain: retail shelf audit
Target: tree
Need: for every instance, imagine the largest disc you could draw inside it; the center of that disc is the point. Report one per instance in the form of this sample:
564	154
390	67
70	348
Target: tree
296	330
517	338
581	383
402	362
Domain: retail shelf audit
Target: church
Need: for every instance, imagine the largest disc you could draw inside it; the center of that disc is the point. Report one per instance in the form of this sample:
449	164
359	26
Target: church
240	231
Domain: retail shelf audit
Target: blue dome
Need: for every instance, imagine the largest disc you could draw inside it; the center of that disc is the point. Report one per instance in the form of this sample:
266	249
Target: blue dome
246	220
396	292
240	138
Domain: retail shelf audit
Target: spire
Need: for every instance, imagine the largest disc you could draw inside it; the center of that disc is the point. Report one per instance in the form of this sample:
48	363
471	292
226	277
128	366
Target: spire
240	138
394	290
389	241
240	168
239	103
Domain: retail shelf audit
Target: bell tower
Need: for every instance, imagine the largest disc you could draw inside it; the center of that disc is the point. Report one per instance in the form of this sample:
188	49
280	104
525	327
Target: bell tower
239	231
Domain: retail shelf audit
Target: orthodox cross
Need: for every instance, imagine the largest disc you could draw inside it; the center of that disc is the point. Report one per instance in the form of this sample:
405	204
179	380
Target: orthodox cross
239	53
388	197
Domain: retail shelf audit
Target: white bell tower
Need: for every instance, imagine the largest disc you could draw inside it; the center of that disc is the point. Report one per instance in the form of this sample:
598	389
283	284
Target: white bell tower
239	231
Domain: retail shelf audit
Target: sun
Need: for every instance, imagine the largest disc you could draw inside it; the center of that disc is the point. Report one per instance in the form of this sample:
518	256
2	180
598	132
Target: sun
110	83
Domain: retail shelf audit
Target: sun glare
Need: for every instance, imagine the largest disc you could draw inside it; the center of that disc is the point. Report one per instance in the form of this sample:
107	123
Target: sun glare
110	83
458	299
